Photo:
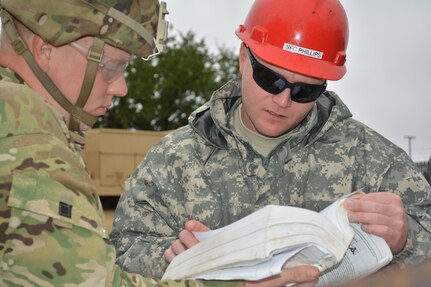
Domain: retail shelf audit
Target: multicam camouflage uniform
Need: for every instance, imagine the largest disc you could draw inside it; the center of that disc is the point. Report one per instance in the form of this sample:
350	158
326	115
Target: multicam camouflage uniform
51	220
206	171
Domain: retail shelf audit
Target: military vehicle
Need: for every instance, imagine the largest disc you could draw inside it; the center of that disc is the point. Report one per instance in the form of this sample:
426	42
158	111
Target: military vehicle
111	155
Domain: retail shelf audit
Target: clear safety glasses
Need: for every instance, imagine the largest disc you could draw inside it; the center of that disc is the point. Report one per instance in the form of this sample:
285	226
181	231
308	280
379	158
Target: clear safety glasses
274	83
110	69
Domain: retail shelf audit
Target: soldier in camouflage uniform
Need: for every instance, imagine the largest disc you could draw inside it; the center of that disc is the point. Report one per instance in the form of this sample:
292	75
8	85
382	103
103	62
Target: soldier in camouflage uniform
51	220
275	136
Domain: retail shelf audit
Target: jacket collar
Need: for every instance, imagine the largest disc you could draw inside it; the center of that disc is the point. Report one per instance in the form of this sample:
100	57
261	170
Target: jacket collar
210	120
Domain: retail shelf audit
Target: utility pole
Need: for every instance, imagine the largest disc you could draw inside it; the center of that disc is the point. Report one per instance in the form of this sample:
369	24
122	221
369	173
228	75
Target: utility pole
409	139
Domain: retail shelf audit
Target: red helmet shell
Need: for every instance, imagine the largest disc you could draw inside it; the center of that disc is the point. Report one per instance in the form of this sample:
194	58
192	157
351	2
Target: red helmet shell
308	37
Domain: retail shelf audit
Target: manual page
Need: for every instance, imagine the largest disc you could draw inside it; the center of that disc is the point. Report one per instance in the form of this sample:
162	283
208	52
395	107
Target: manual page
366	254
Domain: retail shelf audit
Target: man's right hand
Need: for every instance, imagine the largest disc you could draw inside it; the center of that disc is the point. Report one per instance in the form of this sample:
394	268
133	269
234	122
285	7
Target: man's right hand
186	239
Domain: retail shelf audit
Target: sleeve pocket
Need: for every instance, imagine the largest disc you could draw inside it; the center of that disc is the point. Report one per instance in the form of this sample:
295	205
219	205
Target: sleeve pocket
37	192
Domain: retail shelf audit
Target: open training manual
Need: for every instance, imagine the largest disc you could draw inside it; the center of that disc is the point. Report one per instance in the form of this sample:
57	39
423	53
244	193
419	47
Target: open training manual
261	244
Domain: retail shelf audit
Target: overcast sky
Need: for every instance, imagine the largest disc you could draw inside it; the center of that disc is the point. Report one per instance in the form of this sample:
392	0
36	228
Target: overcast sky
388	80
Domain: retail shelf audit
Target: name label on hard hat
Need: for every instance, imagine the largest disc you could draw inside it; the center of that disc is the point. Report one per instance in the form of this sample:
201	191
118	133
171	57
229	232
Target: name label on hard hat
303	51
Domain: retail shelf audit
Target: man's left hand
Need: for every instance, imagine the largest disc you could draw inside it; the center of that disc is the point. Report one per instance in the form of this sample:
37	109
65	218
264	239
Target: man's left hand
382	214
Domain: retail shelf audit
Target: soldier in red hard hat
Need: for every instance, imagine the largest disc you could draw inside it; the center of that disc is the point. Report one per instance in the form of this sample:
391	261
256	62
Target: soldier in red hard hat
274	136
61	64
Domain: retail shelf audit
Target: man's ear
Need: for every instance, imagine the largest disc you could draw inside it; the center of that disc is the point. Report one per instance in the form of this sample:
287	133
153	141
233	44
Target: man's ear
41	52
242	57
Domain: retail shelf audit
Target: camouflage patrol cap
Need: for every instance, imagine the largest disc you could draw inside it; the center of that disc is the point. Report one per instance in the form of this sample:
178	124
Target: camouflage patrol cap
131	25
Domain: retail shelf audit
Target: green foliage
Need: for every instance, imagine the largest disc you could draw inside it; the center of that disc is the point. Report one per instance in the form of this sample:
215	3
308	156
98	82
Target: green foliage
166	89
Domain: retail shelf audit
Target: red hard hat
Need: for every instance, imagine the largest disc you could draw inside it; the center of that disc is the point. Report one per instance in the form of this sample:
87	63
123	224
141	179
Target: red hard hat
308	37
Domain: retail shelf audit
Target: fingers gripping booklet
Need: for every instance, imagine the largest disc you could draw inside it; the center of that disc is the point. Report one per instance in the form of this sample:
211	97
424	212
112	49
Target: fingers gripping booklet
261	244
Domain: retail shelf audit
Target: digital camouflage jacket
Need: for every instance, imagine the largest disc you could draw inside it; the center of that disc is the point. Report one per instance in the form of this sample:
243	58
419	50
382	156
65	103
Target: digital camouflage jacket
206	171
51	220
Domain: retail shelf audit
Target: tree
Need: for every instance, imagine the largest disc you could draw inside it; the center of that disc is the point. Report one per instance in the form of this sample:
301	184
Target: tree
166	89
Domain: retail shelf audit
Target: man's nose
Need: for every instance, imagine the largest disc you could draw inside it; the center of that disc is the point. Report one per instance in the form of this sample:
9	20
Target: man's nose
283	99
118	87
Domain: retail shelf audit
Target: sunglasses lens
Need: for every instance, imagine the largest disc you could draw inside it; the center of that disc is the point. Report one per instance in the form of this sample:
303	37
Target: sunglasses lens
268	80
305	93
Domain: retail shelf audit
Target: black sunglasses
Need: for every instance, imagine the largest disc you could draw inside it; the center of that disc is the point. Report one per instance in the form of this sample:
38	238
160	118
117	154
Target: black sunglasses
274	83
